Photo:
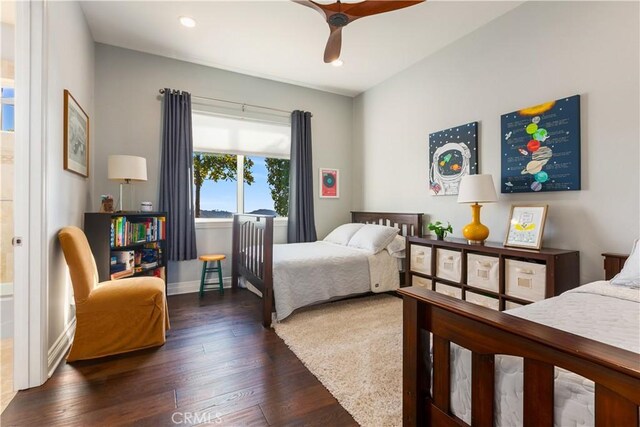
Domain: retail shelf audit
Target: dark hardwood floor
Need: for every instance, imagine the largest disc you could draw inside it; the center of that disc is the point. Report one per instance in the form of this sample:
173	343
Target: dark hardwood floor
219	366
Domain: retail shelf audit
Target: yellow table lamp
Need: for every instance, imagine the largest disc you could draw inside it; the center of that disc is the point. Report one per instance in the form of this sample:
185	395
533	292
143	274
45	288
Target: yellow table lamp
476	189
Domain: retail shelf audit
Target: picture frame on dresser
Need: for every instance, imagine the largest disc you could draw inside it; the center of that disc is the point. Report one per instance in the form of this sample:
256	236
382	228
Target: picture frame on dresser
526	226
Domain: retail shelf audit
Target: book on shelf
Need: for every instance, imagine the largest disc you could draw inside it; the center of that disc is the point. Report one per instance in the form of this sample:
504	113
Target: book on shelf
122	274
125	257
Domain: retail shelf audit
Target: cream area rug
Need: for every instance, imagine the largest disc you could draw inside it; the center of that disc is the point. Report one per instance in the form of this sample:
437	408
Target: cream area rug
354	348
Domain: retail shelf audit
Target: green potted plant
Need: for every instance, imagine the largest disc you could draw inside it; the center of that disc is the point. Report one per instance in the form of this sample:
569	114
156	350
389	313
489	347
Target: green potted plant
440	229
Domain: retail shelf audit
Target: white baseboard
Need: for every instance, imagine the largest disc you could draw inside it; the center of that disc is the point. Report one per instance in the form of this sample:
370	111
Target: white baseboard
191	287
60	347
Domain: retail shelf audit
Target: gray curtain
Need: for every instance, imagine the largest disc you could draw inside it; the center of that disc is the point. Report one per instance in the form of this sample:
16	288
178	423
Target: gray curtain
302	225
176	175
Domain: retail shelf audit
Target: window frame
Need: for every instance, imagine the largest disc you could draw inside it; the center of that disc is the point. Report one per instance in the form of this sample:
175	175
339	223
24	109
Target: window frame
206	223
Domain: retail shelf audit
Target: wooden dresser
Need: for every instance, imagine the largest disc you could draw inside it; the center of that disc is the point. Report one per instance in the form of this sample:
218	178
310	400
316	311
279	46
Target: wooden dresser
491	275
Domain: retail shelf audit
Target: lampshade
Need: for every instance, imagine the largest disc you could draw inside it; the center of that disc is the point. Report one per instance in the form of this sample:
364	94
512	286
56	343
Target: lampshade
477	189
124	168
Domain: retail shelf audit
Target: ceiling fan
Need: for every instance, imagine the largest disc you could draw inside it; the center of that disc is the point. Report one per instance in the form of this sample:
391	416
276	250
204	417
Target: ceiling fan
339	14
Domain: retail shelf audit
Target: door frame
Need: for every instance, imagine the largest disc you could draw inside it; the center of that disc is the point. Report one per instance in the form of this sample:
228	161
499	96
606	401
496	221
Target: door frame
30	259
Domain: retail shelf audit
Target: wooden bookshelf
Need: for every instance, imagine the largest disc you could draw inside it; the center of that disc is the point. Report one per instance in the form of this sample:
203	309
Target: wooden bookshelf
143	233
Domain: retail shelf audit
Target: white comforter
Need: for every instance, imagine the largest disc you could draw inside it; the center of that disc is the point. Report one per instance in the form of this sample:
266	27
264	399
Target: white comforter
309	273
599	311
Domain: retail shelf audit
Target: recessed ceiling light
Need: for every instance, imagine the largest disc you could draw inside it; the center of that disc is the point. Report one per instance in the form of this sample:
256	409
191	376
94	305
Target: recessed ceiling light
337	63
187	21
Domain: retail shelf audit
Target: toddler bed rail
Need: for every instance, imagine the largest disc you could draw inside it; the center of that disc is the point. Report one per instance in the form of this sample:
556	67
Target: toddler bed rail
253	257
487	333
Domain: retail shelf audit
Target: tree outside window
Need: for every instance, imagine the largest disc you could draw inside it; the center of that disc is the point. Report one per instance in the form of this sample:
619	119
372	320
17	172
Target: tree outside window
278	179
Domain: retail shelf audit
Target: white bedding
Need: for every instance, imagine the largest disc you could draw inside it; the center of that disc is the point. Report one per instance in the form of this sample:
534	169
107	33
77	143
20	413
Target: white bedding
599	311
309	273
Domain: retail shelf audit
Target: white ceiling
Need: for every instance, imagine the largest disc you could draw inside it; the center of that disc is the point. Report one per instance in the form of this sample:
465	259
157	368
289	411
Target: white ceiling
284	41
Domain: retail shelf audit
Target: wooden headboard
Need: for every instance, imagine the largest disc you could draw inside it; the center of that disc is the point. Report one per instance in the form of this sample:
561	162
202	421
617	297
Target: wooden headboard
410	224
613	264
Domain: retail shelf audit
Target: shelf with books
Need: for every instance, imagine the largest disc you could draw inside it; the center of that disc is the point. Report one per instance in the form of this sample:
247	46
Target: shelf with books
142	258
128	244
132	230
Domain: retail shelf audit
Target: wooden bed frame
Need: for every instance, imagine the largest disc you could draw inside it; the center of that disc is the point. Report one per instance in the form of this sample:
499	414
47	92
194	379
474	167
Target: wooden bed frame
253	248
487	333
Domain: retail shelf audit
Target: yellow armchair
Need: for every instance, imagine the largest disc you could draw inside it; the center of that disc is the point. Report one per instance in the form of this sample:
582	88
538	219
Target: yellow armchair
112	317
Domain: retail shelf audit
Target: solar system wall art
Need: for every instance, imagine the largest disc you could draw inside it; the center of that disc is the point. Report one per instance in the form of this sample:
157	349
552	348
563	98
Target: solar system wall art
329	183
453	153
541	147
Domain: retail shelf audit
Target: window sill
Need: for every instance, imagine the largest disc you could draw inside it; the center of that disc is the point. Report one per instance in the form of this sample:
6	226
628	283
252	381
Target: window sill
206	223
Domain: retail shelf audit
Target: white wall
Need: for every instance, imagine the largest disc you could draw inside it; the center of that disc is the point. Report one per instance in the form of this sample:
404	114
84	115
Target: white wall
8	42
70	56
129	112
538	52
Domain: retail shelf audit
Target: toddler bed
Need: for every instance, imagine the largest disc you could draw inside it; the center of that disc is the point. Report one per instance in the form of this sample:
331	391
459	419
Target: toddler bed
577	363
354	259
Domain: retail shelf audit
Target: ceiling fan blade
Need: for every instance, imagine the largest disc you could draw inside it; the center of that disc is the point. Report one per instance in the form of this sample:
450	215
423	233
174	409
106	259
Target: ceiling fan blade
334	45
313	5
374	7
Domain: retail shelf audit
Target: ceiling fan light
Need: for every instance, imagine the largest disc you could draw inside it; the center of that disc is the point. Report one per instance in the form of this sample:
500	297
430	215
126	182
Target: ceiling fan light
337	63
187	21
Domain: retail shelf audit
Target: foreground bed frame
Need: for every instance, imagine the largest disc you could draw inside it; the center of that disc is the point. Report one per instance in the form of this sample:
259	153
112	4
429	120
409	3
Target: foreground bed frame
487	333
253	248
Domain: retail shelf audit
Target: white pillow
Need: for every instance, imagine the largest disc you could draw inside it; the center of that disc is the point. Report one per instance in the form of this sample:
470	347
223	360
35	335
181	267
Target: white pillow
373	238
630	274
343	234
397	247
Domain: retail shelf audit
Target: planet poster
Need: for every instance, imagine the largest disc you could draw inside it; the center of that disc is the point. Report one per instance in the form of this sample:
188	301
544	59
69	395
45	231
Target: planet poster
541	147
453	153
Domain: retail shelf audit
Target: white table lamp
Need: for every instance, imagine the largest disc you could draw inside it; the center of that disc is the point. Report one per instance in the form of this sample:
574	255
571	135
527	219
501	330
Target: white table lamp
476	189
126	169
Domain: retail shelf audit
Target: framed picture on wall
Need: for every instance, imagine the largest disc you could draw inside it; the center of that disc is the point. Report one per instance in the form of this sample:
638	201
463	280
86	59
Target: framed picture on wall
541	147
329	183
526	226
76	136
453	154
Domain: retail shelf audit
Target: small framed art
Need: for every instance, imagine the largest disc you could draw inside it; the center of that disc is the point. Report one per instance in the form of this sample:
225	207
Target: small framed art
526	226
76	136
329	183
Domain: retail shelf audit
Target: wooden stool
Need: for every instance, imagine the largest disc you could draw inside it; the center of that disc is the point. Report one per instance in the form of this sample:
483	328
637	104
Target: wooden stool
217	268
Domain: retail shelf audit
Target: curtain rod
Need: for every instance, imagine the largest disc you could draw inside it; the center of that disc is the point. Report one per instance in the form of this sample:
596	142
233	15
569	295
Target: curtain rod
243	104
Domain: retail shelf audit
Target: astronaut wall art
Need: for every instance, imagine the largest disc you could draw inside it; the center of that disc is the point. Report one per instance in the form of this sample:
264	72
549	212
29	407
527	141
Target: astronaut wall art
453	153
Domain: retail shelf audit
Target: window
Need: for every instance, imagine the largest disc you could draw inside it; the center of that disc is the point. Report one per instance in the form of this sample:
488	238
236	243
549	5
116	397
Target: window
240	166
7	112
